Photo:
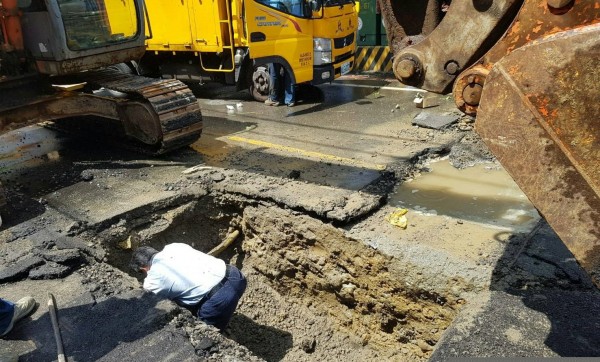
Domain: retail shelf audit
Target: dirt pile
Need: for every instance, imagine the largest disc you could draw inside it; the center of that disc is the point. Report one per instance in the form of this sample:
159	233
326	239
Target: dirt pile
358	289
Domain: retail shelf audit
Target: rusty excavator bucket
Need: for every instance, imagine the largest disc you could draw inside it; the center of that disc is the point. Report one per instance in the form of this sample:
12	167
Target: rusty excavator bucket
536	19
530	71
540	116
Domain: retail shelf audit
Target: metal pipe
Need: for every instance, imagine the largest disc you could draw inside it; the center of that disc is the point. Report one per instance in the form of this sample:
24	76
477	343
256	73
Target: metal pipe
225	244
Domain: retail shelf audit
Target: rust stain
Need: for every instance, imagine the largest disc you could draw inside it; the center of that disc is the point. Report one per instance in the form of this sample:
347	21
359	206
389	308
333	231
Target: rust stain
554	30
515	69
542	104
515	29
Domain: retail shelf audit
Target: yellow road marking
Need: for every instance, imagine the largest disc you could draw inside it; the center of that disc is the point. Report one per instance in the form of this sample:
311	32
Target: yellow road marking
359	57
306	153
381	59
388	66
371	58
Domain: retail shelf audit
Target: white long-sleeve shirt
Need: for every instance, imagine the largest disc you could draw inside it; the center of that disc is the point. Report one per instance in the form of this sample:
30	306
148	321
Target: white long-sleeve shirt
183	274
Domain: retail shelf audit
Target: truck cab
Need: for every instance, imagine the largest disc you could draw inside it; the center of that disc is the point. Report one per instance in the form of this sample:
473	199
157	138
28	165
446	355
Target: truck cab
313	39
235	41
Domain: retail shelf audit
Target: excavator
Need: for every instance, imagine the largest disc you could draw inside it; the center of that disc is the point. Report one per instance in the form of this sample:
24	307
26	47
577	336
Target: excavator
65	60
529	70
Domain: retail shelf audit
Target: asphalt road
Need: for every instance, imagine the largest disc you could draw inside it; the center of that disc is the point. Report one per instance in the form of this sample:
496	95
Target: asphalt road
525	294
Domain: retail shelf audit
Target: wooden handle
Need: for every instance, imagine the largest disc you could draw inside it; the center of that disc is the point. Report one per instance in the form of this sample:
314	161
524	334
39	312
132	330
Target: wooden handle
54	317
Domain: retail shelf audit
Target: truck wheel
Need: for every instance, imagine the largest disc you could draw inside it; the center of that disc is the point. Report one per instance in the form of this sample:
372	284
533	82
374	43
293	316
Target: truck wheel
123	68
260	83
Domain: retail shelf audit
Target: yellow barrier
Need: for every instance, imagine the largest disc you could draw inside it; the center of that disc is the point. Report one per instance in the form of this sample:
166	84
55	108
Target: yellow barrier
373	58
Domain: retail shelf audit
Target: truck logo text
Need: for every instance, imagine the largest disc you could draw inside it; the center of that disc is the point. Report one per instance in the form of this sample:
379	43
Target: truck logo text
261	21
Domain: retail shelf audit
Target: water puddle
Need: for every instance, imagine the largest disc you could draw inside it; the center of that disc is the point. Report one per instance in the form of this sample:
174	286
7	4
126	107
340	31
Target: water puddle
484	194
27	143
28	147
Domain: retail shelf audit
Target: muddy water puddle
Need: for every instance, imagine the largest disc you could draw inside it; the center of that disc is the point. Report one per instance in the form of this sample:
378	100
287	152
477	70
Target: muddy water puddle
31	160
28	147
484	193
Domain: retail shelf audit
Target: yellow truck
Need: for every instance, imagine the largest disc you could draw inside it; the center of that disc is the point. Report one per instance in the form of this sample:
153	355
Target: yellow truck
233	41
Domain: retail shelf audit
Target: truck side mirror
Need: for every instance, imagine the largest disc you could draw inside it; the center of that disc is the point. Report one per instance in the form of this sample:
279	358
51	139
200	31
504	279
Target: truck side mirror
316	8
315	5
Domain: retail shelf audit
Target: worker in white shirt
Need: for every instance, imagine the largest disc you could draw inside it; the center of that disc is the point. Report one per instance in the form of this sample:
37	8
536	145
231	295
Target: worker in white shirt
193	279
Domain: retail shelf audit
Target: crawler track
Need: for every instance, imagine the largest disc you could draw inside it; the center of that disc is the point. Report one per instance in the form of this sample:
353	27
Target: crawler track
177	109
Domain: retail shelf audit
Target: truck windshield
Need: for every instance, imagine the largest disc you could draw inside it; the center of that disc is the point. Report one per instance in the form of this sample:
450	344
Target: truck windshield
299	8
329	3
96	23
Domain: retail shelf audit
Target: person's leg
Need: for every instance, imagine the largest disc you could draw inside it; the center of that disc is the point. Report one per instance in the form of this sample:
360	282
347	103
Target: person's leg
10	312
290	91
7	310
275	90
219	309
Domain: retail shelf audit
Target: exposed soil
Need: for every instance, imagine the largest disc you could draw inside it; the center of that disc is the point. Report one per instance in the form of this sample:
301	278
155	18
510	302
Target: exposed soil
313	292
357	288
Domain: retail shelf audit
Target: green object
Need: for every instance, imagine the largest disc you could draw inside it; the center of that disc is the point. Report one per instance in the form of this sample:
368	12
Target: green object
372	31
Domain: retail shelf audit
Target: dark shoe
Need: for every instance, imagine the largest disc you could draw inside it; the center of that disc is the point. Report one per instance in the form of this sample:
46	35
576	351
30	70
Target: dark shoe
291	104
23	307
270	102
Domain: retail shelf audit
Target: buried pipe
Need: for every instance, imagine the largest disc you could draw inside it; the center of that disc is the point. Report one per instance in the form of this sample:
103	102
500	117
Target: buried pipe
225	244
129	243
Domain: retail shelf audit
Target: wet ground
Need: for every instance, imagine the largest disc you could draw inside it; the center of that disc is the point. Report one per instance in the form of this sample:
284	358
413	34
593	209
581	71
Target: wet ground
311	189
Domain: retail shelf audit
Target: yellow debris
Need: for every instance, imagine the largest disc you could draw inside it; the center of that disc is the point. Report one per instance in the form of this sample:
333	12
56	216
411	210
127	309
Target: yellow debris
69	87
125	244
398	218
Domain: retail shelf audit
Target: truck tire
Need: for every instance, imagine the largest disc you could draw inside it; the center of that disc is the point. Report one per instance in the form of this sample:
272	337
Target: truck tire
259	83
124	68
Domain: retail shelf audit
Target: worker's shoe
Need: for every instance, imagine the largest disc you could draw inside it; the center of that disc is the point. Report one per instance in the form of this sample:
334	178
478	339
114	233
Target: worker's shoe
270	102
23	307
291	104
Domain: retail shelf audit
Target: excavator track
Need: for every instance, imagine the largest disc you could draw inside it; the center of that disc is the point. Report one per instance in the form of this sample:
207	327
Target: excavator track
156	115
177	121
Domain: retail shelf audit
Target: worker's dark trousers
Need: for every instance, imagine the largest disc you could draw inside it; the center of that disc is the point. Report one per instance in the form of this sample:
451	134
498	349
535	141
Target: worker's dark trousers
7	310
219	308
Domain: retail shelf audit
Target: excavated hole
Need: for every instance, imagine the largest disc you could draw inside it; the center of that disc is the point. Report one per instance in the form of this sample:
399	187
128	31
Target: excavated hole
313	293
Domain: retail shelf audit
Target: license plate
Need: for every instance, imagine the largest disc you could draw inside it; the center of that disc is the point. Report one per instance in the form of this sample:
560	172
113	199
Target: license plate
346	68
